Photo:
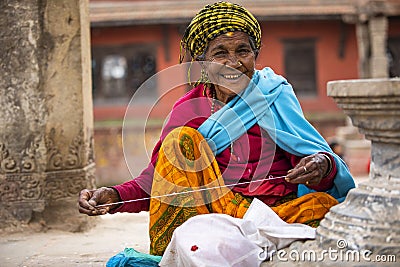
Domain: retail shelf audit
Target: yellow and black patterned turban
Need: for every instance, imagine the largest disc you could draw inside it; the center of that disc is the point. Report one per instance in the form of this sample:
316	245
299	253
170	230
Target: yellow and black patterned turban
214	20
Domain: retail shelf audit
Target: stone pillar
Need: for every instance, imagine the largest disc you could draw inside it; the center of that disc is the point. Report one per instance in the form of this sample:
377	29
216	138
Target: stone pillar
363	45
369	218
379	64
371	31
46	132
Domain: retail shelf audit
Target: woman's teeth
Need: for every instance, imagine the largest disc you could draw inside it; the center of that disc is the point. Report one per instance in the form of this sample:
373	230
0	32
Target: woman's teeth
231	76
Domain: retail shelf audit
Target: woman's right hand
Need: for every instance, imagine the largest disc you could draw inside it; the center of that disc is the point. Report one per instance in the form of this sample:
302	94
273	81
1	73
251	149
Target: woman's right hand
89	199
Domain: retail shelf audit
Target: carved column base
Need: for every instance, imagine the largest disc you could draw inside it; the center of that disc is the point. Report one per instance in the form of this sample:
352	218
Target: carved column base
47	200
62	190
367	220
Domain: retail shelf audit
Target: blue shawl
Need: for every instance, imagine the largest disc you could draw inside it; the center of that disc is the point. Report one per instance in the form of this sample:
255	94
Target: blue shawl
270	102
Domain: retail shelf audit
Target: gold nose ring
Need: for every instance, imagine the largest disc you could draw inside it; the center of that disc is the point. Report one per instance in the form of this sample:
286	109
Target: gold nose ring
240	63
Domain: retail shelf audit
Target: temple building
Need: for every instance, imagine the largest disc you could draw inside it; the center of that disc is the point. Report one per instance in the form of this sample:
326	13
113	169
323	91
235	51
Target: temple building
308	42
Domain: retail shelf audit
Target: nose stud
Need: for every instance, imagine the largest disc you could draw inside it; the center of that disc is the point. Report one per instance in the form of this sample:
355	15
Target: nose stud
240	63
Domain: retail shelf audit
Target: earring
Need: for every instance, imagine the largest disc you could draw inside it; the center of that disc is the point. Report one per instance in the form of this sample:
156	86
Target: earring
203	78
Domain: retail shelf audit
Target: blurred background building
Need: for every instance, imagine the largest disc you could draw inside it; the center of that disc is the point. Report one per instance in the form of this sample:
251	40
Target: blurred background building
310	42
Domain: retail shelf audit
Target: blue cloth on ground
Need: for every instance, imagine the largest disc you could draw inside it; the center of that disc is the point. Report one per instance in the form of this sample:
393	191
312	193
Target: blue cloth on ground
133	258
269	100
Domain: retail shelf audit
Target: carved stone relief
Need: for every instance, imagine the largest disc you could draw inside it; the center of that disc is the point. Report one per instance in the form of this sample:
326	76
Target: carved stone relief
17	187
25	187
78	150
67	183
21	194
7	162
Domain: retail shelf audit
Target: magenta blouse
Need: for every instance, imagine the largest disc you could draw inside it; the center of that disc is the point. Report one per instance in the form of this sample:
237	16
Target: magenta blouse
254	156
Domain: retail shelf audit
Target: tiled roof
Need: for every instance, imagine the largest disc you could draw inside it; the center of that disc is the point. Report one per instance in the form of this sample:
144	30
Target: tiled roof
152	12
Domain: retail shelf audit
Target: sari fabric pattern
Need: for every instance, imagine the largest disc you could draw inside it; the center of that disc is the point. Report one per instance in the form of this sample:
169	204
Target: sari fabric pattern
186	165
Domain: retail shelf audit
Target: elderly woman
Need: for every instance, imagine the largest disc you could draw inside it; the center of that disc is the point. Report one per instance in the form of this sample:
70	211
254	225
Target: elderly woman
239	134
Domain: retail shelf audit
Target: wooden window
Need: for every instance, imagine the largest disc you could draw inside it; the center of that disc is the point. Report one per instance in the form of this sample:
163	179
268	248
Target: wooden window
394	56
300	66
118	71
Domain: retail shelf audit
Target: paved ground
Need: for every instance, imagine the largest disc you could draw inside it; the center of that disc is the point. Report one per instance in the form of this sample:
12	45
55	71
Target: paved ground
110	236
93	248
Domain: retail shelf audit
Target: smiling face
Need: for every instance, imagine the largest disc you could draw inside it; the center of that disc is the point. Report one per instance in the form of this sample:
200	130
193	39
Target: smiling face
235	63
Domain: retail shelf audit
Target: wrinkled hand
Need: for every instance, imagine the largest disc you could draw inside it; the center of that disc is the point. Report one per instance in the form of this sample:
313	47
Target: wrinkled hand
309	171
89	199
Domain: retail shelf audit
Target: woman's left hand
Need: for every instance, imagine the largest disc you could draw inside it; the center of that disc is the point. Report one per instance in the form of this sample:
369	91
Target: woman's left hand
309	171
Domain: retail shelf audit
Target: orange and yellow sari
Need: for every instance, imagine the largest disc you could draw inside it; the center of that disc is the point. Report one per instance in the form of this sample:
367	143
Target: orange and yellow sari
187	181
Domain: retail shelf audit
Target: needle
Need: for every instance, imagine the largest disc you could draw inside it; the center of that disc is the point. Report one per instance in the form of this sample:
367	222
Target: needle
187	192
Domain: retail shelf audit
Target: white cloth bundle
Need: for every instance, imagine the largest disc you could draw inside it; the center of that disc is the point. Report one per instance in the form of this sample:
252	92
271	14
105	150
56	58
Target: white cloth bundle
221	240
